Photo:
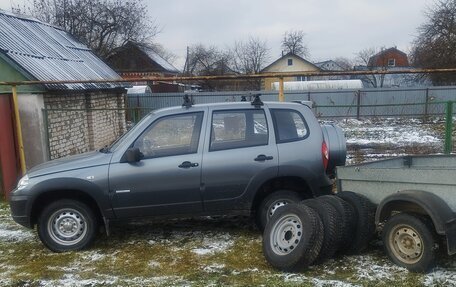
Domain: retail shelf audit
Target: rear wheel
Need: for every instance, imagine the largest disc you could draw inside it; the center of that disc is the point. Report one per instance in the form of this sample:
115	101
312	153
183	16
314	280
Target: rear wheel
293	237
409	242
272	202
67	225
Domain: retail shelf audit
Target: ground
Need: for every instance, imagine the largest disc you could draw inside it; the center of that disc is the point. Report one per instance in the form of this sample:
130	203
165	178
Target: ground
219	251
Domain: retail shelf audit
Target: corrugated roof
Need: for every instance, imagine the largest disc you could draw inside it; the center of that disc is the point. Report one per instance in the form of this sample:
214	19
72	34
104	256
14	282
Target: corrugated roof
48	53
158	59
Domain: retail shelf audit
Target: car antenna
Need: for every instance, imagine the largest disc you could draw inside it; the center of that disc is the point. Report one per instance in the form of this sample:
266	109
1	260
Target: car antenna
188	102
257	103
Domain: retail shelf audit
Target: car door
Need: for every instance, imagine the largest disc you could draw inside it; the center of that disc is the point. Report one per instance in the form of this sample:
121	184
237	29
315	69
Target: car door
239	154
167	179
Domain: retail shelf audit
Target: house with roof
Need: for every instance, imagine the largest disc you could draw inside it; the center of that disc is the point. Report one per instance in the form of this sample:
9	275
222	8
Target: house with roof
56	119
287	63
135	60
390	59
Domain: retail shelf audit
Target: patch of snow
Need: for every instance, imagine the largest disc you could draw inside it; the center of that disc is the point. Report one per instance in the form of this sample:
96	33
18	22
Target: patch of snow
367	268
214	268
388	132
154	264
214	243
440	277
10	234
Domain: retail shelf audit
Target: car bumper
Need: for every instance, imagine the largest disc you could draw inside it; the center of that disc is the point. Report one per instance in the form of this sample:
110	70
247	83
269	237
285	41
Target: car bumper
18	205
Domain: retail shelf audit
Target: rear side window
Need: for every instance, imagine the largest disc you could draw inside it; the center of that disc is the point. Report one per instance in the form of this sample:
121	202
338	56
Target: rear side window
238	129
289	125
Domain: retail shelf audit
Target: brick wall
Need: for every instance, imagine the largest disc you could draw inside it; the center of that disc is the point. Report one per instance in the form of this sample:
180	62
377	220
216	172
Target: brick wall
93	122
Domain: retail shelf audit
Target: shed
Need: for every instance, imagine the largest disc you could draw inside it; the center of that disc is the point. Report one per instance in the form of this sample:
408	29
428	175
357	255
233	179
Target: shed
57	119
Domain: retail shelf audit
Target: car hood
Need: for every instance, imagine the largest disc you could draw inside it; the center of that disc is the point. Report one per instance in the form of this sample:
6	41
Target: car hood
79	161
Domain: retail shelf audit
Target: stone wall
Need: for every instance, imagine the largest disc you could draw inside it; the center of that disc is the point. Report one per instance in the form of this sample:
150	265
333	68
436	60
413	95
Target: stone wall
79	123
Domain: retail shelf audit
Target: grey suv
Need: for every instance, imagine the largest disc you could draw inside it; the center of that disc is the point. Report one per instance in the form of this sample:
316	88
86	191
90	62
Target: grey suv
213	159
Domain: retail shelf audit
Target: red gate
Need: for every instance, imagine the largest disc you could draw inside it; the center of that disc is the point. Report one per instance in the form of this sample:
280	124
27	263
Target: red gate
9	167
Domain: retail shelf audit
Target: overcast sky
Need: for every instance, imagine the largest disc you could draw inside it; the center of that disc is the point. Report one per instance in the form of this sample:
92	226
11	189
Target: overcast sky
333	28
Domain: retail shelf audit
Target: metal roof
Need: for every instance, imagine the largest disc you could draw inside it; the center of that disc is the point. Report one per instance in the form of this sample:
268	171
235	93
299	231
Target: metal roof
48	53
158	59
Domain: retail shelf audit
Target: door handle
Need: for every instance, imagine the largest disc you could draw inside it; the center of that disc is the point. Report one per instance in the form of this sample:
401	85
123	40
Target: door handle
263	157
187	164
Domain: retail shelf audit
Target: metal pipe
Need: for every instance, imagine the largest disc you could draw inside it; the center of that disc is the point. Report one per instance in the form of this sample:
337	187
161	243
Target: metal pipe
449	128
18	130
281	95
233	77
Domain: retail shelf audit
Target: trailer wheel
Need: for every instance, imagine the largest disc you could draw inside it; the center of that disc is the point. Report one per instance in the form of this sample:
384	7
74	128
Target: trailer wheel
272	202
293	237
409	242
346	216
332	231
364	218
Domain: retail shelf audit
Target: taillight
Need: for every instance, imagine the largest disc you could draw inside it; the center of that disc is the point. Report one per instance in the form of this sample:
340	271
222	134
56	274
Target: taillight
325	155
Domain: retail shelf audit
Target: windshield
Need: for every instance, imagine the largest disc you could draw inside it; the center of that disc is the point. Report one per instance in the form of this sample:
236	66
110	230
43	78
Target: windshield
120	141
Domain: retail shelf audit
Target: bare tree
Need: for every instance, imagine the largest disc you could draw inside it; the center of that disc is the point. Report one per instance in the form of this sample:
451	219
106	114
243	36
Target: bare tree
103	25
204	60
345	63
435	45
363	59
250	57
207	61
293	42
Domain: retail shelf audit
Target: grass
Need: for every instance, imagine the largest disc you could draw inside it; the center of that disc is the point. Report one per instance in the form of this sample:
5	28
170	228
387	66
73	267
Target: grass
215	252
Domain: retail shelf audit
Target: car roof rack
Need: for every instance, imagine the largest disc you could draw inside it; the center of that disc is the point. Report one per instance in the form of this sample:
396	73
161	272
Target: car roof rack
257	103
188	101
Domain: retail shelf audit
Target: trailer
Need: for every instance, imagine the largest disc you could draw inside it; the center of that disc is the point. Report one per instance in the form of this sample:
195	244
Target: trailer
416	204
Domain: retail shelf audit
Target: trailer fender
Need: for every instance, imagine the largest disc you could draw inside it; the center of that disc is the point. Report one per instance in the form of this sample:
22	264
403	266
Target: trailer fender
424	202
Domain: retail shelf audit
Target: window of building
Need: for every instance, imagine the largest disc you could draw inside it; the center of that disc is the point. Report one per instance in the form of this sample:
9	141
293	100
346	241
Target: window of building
301	78
289	125
171	135
391	62
290	62
238	129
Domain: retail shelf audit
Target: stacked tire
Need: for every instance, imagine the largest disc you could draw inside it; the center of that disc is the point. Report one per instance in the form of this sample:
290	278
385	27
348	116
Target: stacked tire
314	230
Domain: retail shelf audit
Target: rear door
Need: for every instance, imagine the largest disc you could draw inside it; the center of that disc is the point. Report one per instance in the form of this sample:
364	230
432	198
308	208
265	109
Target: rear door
239	153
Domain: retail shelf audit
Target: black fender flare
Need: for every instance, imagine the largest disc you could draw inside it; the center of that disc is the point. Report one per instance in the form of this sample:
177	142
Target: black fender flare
71	184
443	218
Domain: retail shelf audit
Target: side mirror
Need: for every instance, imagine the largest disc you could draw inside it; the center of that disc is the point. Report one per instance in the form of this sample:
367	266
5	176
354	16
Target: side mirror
132	155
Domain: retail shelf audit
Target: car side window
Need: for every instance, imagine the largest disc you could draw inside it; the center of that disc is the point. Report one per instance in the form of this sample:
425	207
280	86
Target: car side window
238	129
289	125
171	135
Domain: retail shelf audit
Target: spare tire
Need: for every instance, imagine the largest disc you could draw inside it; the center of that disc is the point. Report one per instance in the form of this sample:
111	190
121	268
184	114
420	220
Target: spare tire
335	141
346	216
332	235
365	221
293	237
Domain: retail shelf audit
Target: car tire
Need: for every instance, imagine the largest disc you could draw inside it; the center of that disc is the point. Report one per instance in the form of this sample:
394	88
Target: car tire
365	221
272	202
410	242
67	225
332	230
293	237
346	216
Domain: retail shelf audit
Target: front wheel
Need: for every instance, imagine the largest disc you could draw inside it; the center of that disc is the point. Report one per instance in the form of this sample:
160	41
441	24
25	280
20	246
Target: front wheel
67	225
409	242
